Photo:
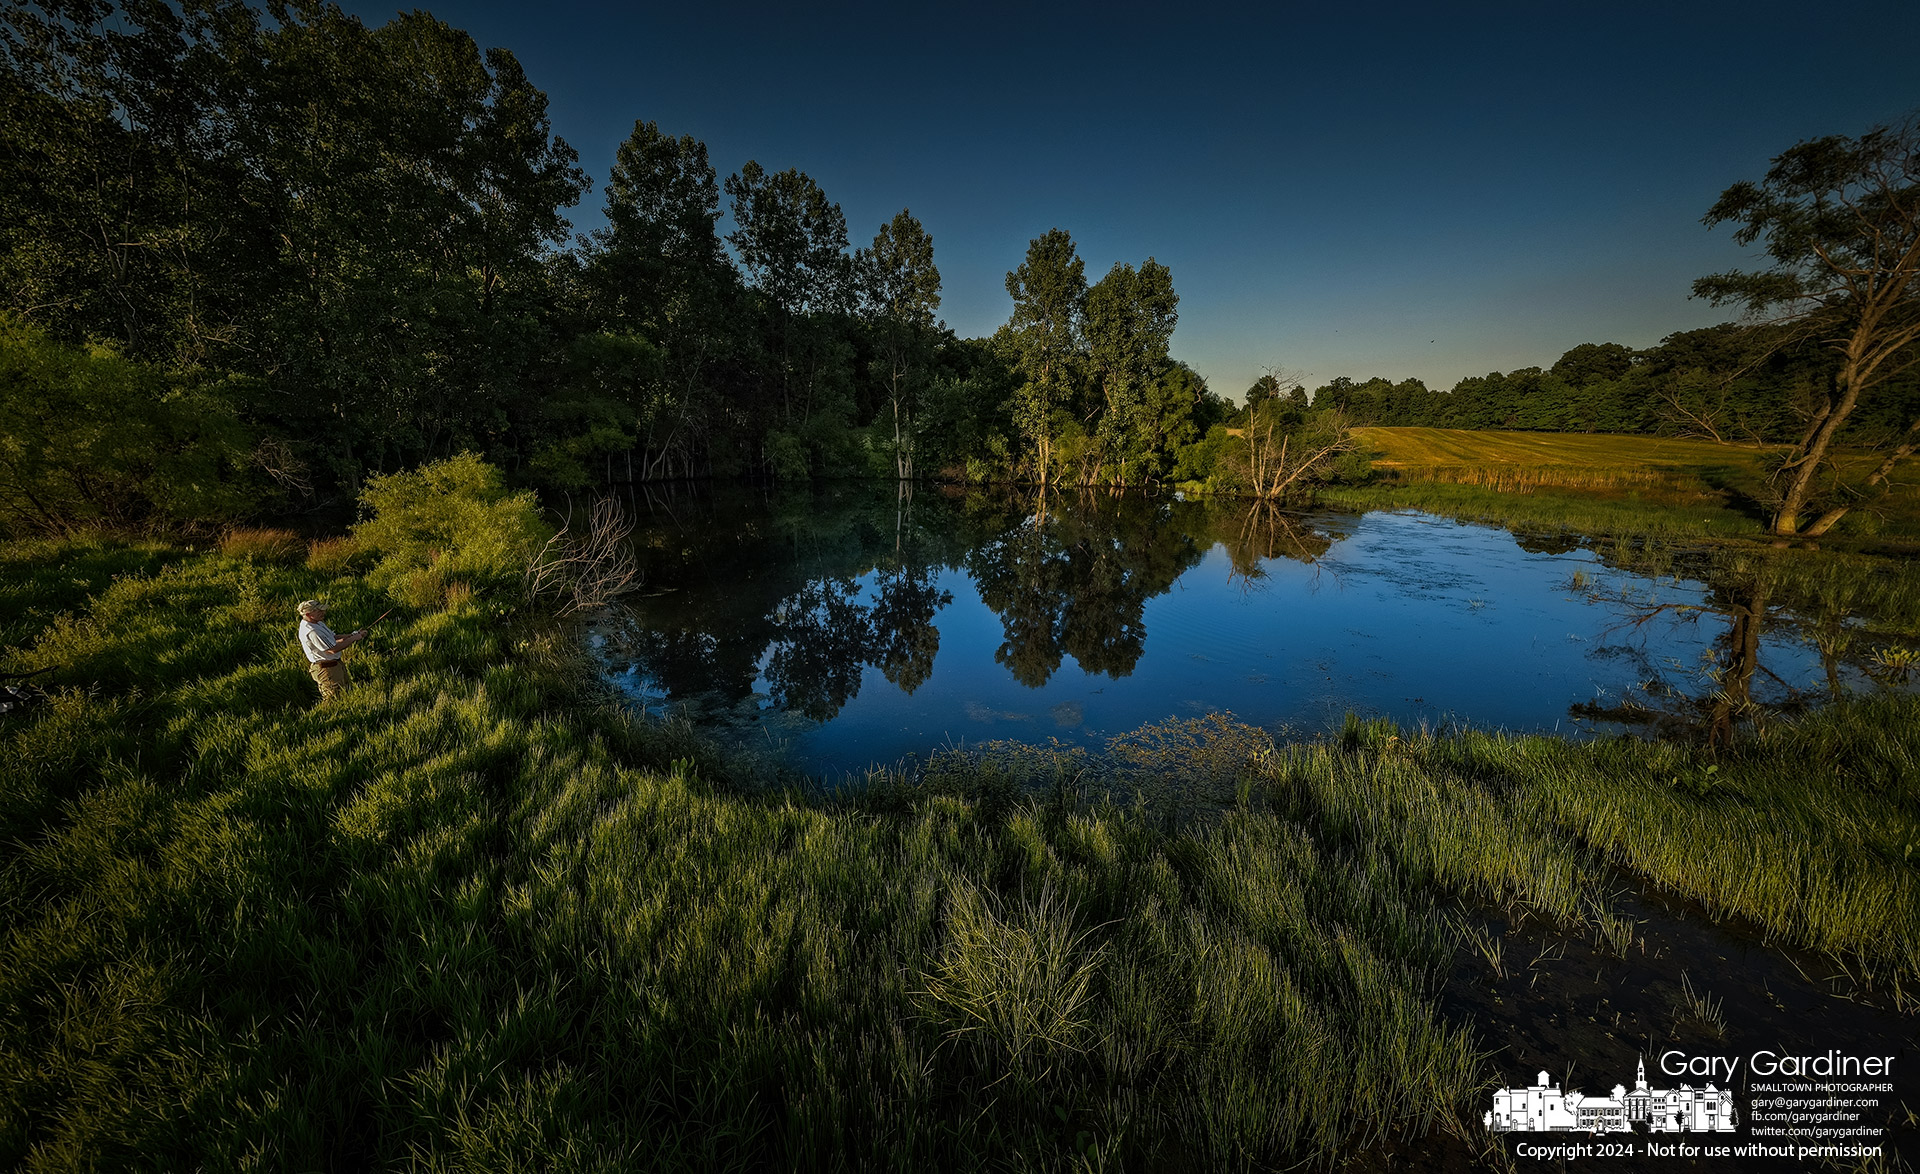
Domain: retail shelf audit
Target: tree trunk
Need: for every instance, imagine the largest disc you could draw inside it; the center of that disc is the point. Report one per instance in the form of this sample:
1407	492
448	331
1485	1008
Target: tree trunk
1825	521
1786	523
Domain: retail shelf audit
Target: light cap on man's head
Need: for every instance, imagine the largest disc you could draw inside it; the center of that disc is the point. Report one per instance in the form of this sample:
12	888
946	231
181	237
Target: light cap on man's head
311	605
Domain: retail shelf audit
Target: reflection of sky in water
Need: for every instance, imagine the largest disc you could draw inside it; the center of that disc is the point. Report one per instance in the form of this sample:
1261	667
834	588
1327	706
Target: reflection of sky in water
1408	616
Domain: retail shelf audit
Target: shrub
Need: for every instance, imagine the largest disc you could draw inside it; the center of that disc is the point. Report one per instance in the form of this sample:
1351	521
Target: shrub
446	519
786	456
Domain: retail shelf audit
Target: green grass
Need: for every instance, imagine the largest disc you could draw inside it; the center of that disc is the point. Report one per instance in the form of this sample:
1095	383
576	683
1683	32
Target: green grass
1627	514
470	918
1600	483
1576	452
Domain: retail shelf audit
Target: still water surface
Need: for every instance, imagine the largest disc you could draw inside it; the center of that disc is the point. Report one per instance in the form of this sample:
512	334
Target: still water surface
852	626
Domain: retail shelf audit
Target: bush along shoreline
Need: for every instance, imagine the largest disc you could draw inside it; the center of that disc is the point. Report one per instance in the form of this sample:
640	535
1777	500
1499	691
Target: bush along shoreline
472	916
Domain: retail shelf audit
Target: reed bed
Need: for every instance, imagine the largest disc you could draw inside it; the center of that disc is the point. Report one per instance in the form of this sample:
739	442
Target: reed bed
469	917
256	542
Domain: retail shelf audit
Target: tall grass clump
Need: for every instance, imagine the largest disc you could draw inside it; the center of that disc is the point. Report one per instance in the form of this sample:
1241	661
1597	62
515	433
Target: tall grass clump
264	543
332	555
1017	985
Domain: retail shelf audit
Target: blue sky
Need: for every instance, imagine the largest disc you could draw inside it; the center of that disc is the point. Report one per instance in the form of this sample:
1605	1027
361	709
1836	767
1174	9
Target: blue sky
1401	190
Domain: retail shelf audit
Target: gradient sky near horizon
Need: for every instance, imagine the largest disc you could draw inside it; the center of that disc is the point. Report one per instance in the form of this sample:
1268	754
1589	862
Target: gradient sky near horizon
1402	190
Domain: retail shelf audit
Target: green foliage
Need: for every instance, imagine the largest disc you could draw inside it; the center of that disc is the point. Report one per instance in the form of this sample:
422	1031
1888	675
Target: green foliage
1199	461
1841	220
218	190
901	288
1043	339
451	519
89	437
1130	316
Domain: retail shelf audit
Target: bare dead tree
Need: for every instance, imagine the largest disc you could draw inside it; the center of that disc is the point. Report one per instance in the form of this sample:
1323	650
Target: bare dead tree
589	569
1282	459
276	459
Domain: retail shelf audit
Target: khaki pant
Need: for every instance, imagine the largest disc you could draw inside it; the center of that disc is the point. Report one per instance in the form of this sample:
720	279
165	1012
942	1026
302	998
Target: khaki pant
330	675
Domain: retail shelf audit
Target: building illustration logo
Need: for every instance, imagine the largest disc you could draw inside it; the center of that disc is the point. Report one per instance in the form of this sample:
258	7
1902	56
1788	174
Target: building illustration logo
1543	1108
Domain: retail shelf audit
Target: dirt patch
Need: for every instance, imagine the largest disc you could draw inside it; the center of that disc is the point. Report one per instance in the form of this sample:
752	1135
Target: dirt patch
1709	991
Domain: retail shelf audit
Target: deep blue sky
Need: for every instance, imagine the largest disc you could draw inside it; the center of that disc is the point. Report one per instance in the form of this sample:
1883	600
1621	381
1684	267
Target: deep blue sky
1402	190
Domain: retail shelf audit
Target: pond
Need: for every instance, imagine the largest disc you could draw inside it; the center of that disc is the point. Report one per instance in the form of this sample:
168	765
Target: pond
856	625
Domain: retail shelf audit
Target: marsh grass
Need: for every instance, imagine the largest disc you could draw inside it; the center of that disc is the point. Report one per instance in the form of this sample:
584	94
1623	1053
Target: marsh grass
1701	1008
333	555
1530	478
470	916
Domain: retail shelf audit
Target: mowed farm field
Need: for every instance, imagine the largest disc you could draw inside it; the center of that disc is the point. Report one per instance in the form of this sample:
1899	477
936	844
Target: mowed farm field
1570	459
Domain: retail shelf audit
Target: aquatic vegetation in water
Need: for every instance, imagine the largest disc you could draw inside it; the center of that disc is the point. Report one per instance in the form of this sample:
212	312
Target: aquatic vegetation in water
1894	665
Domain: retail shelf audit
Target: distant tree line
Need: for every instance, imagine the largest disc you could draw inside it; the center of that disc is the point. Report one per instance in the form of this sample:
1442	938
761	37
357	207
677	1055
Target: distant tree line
1731	383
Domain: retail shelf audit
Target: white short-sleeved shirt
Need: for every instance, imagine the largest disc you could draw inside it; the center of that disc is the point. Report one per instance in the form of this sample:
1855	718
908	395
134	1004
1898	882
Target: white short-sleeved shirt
317	641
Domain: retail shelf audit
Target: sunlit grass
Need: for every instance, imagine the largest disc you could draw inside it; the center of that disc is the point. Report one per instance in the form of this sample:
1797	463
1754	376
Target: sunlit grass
1590	452
468	917
1600	483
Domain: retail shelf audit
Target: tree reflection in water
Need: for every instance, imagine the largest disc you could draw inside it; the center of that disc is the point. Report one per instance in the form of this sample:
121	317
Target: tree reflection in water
1266	533
771	605
802	605
1837	604
1073	578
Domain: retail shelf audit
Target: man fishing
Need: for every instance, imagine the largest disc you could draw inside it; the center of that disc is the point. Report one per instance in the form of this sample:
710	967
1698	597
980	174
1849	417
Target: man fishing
323	649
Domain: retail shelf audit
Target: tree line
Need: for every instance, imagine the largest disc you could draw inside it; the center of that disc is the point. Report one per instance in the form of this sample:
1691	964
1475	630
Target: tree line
1734	383
250	257
302	251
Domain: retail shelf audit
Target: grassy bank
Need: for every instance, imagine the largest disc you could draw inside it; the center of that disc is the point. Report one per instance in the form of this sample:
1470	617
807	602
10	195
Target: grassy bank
470	918
1599	484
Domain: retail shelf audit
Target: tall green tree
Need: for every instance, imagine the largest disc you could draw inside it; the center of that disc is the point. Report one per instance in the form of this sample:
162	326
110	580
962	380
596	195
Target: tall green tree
364	217
1594	362
1044	335
662	279
415	187
901	289
117	212
792	242
1130	318
1840	218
